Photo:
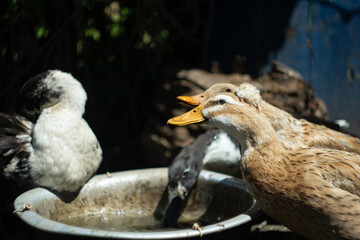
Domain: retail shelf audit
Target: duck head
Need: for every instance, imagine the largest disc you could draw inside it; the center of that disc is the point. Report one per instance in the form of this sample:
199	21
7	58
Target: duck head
246	91
51	88
198	99
215	109
231	113
217	101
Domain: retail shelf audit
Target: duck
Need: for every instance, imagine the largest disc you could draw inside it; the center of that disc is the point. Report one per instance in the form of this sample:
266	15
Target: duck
315	192
222	154
184	171
49	144
289	129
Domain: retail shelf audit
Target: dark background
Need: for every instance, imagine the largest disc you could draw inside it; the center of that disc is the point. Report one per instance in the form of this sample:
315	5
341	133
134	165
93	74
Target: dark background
123	52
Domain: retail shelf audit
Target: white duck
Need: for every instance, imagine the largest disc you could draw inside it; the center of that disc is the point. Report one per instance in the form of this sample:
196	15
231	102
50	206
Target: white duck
51	145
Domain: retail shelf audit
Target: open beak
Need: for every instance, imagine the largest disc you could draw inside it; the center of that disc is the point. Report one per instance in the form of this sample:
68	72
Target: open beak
191	117
195	100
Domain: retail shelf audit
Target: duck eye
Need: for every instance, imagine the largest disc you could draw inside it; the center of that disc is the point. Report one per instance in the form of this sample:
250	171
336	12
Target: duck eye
221	102
202	96
228	90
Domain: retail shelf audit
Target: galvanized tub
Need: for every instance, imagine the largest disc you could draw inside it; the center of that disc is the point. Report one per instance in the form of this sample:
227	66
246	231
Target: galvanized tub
121	205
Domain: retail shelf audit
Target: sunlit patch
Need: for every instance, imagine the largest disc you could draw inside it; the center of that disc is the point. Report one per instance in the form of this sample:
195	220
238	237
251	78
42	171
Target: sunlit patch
249	93
227	99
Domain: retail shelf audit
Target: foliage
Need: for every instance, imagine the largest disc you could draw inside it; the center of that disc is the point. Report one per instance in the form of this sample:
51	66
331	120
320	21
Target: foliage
117	49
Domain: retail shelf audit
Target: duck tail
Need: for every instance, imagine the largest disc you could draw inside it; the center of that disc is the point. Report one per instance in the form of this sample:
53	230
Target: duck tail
15	145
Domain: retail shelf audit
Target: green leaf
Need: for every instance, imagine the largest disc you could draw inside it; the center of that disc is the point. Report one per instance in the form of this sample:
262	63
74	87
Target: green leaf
93	33
41	32
164	33
79	47
116	29
125	13
146	38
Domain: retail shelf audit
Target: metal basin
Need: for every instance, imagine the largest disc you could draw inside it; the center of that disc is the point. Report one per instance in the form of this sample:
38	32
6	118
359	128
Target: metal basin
121	205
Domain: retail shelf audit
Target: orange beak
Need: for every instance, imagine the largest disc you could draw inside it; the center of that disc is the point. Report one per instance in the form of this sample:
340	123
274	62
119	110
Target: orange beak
195	100
191	117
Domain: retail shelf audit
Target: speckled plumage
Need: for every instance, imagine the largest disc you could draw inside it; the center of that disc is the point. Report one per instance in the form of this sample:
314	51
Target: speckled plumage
315	192
58	150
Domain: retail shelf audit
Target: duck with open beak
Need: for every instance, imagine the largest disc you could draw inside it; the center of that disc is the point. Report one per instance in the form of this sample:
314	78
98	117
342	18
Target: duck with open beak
297	132
315	192
191	117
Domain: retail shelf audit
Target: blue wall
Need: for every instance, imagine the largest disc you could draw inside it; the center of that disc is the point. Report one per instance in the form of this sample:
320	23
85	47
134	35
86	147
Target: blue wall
334	68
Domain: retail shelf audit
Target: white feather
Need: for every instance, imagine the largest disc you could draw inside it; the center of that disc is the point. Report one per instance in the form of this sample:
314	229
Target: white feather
65	152
249	93
74	96
223	155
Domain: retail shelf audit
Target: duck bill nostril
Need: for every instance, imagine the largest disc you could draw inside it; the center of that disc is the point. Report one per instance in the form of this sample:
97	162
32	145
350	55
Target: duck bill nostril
195	100
190	117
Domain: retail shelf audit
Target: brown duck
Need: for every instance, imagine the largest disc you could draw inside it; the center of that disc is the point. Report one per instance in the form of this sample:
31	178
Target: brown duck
315	192
289	129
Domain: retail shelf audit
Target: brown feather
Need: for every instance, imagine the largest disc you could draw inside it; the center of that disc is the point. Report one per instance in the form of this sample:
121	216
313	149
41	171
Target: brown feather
315	192
290	130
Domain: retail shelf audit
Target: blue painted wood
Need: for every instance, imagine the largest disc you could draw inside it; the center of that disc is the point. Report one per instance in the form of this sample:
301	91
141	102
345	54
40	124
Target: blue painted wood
335	65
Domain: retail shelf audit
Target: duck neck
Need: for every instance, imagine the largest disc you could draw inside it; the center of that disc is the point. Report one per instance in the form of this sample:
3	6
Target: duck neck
257	132
280	119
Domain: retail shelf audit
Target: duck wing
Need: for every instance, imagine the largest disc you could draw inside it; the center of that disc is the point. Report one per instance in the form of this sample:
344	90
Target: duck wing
322	137
334	190
341	169
318	194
